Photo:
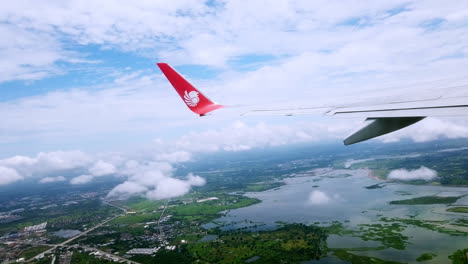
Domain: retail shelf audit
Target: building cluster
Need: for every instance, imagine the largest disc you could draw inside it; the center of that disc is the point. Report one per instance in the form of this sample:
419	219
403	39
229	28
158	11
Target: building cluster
143	251
207	199
36	228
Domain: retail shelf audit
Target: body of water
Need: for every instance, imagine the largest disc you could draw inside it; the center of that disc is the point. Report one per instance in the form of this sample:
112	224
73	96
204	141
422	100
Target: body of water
67	233
340	195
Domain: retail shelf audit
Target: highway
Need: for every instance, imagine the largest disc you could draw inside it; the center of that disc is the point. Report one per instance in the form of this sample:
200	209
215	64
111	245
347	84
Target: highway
64	244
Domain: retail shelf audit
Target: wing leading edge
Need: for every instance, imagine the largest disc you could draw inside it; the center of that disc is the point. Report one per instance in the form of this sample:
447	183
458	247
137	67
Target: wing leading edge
380	119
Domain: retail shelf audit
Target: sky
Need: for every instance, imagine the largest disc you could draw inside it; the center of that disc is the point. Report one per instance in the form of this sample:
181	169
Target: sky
80	93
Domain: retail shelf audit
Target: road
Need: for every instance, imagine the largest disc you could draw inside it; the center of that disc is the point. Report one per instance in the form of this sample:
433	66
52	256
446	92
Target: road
53	247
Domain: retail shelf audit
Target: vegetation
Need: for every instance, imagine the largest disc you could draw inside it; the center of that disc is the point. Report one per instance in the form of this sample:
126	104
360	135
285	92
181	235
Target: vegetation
141	204
356	259
428	200
260	187
130	219
461	209
426	256
389	234
33	251
375	186
460	256
83	258
209	210
427	224
181	256
288	244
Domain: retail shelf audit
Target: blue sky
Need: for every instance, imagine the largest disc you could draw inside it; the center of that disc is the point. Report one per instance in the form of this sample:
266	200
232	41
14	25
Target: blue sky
81	75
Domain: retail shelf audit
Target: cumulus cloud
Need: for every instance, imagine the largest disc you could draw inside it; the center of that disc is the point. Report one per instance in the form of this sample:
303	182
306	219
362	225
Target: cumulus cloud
8	175
102	168
52	179
422	173
154	181
319	198
82	179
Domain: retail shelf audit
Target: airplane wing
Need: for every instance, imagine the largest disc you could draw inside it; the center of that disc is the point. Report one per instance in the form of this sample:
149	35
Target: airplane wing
380	118
194	99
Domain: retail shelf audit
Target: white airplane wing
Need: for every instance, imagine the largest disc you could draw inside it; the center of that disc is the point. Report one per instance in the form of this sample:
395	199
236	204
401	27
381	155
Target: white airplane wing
380	118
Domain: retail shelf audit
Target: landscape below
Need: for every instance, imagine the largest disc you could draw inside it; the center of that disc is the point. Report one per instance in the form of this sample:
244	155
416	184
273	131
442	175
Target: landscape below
205	226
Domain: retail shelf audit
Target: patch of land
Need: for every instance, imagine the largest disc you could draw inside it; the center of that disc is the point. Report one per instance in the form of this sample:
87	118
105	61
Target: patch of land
33	251
375	186
290	243
459	256
460	209
438	226
428	200
356	259
260	187
425	257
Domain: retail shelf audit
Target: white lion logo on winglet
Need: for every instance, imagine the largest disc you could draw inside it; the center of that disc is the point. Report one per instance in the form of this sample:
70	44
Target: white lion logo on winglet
191	98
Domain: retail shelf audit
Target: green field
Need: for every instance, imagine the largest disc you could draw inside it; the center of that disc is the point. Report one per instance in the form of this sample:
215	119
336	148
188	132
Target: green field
136	218
209	210
260	187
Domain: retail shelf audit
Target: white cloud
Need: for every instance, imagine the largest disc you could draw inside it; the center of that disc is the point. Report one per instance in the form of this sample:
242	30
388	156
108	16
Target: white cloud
195	180
82	179
422	173
168	188
239	136
46	165
362	38
8	175
319	198
431	129
127	189
47	162
52	179
154	181
102	168
62	160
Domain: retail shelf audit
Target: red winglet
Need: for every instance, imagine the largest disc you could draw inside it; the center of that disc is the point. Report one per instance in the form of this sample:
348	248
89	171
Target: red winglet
194	99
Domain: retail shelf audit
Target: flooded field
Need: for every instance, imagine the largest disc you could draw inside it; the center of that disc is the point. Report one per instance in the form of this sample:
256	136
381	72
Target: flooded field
327	196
